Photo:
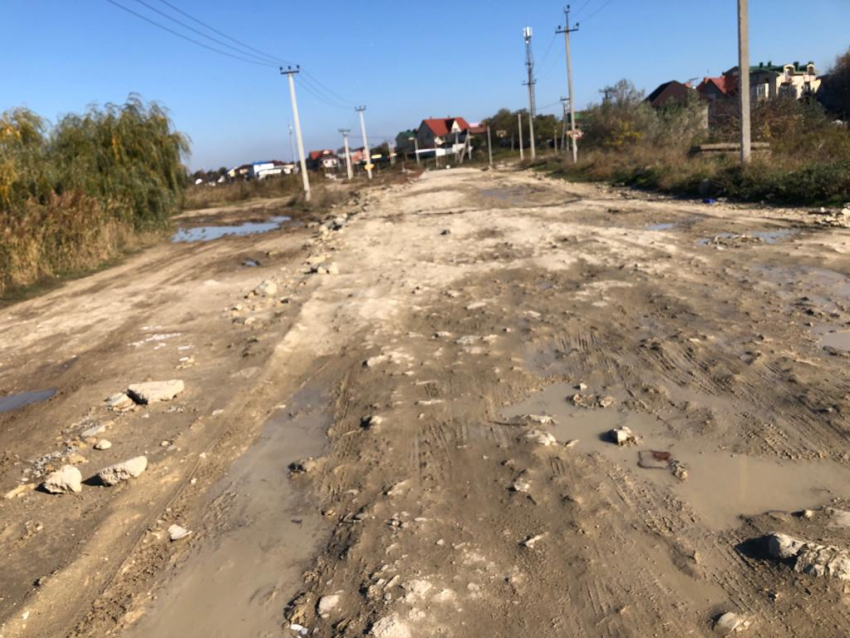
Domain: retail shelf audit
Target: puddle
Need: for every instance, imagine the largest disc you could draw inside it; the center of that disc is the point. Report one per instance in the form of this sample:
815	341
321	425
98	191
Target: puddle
763	236
237	581
250	263
210	233
839	340
661	226
15	401
721	486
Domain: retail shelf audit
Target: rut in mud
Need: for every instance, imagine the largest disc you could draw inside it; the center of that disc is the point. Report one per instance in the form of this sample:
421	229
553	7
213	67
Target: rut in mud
457	382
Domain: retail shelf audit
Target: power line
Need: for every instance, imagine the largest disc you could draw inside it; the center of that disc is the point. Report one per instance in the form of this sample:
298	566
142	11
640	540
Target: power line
200	33
583	5
187	38
224	35
599	10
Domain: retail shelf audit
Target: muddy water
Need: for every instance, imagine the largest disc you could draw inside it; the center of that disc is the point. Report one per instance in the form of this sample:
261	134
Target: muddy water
239	584
15	401
720	487
839	340
210	233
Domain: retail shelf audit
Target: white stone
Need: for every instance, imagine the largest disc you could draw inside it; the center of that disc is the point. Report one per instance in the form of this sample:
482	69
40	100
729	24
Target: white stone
132	468
730	623
811	558
623	436
119	402
66	479
176	533
537	419
541	438
391	627
266	289
327	604
103	444
155	391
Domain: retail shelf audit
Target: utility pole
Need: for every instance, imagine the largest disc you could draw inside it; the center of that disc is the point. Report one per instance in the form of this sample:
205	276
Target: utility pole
348	170
489	146
415	141
744	78
564	102
529	63
367	152
290	73
566	30
521	149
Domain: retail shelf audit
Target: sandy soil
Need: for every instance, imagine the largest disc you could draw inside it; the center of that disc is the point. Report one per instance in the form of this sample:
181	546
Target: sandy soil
457	305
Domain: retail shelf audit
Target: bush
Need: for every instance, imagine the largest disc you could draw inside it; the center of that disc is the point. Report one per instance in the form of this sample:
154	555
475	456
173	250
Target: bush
77	195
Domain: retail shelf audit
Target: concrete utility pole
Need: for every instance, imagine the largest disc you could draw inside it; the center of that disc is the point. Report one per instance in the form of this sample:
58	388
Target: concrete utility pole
489	145
744	79
529	63
564	102
290	73
366	151
521	149
292	145
566	30
415	141
348	170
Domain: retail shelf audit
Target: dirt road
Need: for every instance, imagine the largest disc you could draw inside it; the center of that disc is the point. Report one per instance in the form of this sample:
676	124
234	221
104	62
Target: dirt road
408	434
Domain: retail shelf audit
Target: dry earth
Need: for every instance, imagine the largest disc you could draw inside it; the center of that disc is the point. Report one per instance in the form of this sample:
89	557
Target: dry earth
353	452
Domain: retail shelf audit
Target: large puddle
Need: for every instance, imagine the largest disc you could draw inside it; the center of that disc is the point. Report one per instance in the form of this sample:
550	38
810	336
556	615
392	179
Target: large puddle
210	233
238	581
15	401
720	486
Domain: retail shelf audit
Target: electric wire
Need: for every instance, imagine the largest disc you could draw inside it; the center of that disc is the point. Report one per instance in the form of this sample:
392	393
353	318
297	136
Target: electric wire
187	38
599	10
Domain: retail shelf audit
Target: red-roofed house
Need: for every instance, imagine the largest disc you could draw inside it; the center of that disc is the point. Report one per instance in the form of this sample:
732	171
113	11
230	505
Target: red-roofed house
324	159
435	133
713	89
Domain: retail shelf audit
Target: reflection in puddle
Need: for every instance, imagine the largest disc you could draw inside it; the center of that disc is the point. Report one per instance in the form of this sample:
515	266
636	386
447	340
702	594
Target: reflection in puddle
15	401
838	340
661	226
773	236
721	486
762	236
210	233
250	263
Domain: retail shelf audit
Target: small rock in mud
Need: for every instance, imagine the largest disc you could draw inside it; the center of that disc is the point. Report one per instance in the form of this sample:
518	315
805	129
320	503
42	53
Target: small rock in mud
475	305
176	533
391	627
532	541
679	470
66	479
103	444
155	391
95	429
536	419
115	474
372	421
810	558
541	438
119	402
266	289
521	485
327	604
730	623
304	466
623	436
605	402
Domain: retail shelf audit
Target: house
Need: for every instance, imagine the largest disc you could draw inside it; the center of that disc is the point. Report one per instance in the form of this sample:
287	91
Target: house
721	88
433	133
767	82
325	159
670	93
271	168
404	141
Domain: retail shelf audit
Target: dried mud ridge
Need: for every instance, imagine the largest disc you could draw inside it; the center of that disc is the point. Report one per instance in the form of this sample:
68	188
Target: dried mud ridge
453	361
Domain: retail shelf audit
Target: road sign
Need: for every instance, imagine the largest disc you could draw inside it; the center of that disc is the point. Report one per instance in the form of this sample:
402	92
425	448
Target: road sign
576	135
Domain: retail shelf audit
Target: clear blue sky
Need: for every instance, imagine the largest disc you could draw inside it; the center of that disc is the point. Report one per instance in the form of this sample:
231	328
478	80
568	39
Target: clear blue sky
405	60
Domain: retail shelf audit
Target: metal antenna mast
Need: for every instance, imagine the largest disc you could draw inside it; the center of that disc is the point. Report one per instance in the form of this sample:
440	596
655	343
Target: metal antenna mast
532	106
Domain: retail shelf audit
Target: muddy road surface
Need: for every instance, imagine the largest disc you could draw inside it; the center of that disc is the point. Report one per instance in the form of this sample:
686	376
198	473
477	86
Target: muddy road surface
404	422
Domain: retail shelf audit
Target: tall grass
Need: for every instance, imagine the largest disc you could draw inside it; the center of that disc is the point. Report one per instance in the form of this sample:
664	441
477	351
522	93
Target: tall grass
79	193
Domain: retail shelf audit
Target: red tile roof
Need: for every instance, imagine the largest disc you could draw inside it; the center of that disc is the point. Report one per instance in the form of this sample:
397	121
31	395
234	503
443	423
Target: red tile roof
443	126
725	84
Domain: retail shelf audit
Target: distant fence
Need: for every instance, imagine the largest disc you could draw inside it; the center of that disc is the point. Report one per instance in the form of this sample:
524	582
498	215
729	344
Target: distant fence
727	148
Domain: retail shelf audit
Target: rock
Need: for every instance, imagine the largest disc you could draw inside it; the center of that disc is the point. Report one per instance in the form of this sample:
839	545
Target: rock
476	305
304	466
730	623
532	541
391	627
119	472
623	436
372	421
118	402
103	444
266	289
537	419
810	558
155	391
333	269
66	479
19	491
541	438
327	604
605	402
176	533
521	485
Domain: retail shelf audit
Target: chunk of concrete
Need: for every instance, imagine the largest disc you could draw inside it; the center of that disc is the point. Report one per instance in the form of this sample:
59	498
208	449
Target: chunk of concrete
176	533
155	391
541	438
810	558
66	479
119	472
391	627
730	623
103	444
327	604
118	402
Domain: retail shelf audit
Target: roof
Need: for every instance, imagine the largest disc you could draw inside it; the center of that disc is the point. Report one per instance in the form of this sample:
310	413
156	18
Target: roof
314	155
672	91
725	84
443	126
